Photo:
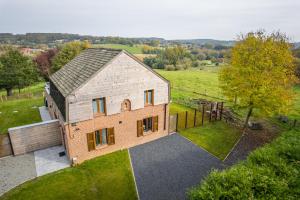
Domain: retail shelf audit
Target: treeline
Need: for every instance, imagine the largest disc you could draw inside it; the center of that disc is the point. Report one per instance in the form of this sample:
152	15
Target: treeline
19	71
181	57
51	39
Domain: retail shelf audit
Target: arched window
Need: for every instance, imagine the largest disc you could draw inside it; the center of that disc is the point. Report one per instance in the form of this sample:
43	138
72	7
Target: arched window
126	105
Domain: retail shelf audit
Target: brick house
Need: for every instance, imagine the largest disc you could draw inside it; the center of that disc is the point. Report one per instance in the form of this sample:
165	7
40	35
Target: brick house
107	100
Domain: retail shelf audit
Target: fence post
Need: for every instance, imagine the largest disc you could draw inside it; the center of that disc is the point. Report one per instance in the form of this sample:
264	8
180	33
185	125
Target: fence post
195	118
186	118
217	110
221	112
176	122
295	122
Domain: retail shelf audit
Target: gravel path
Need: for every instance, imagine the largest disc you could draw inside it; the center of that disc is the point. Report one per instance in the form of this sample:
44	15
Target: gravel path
250	141
166	168
15	170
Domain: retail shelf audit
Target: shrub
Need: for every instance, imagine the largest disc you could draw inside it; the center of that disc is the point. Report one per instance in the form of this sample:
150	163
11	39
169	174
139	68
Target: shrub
170	68
271	172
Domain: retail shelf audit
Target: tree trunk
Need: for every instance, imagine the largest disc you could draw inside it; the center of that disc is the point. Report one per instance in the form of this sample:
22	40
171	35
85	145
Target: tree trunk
9	91
248	117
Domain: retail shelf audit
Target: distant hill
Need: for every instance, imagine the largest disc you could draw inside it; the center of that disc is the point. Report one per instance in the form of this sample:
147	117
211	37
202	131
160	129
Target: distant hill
52	39
297	45
207	41
55	38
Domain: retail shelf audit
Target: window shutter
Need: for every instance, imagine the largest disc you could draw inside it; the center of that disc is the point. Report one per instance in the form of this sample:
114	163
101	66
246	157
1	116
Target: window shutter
155	124
152	98
91	141
110	136
140	129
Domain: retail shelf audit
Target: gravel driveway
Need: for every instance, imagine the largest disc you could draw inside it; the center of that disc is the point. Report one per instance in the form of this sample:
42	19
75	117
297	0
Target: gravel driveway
15	170
166	168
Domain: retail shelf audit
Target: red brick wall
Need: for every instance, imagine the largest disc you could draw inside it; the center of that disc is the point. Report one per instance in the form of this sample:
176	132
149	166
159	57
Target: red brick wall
125	128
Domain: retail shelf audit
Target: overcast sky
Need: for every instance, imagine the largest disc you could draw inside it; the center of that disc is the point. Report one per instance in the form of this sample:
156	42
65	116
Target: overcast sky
170	19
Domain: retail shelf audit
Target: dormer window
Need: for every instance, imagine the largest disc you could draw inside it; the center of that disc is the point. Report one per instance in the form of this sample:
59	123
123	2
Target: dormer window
148	97
99	106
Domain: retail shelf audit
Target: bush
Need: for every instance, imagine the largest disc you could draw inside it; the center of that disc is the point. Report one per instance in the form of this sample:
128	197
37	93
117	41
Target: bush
271	172
170	68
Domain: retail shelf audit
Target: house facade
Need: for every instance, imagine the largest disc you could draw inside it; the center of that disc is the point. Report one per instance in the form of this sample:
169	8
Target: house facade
107	100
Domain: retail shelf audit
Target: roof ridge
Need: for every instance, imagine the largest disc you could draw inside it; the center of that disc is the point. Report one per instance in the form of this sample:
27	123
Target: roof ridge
106	48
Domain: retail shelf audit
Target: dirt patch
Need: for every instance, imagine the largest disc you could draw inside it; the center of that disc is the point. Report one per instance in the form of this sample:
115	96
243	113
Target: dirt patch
251	140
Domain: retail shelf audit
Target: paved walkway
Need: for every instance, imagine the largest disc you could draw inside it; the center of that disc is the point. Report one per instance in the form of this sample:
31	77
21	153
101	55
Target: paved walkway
166	168
15	170
48	160
44	113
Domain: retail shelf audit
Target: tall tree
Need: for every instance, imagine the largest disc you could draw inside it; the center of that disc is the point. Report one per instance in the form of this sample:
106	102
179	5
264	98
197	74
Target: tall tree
44	62
175	54
16	71
67	52
261	74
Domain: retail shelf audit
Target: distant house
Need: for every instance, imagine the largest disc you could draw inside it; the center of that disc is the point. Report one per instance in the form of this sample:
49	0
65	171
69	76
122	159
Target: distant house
107	100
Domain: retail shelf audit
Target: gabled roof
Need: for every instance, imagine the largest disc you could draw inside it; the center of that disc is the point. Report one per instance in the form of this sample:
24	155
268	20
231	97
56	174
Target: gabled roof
81	68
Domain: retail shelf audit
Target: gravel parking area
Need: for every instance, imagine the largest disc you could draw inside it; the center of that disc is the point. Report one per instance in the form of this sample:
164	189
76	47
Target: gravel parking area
15	170
166	168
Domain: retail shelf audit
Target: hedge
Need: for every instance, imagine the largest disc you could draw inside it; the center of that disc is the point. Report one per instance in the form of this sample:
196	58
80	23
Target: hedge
270	172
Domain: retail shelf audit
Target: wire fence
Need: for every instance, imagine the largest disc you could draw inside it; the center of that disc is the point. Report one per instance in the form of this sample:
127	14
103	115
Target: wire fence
31	95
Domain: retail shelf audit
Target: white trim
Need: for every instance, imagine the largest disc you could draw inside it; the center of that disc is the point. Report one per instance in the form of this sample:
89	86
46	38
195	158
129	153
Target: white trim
31	125
137	191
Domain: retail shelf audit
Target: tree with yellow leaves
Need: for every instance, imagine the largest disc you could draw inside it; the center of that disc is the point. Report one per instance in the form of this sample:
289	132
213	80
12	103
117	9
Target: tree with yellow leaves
261	74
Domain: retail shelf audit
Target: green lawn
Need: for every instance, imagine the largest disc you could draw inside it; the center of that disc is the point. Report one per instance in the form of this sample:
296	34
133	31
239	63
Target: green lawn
136	49
28	112
185	82
178	108
217	138
105	177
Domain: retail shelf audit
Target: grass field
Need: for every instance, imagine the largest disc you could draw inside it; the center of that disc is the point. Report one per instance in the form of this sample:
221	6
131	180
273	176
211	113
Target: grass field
185	83
136	49
217	138
36	88
105	177
27	112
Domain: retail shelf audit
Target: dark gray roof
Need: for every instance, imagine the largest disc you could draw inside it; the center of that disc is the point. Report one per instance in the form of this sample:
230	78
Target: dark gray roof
81	68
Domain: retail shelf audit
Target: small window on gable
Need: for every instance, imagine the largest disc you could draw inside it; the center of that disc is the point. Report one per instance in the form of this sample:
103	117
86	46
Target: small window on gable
99	106
148	97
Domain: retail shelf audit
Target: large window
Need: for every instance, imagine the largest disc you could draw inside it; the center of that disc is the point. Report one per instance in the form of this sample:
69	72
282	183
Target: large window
147	124
99	106
101	137
148	97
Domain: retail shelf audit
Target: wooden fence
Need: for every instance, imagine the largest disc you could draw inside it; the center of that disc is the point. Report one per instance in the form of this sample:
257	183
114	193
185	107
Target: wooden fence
191	119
